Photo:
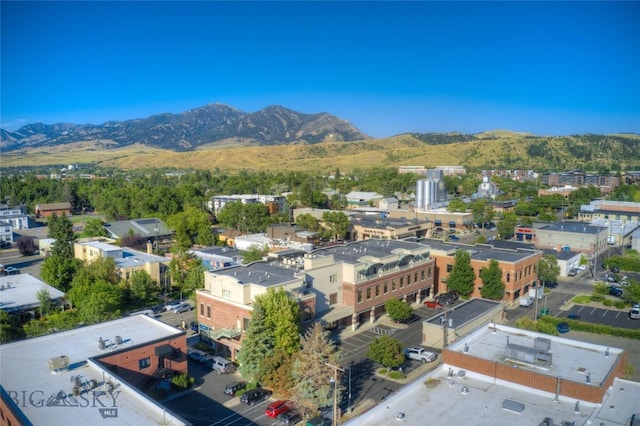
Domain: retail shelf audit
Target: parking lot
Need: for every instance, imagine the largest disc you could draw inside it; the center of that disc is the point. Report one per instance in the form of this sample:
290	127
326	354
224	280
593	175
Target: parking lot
611	317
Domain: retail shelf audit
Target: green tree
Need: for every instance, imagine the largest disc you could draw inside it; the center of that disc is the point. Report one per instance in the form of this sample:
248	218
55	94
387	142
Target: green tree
462	278
457	205
142	287
275	326
191	226
507	226
94	228
59	272
10	327
254	254
102	303
387	351
548	269
481	210
257	344
337	224
397	310
308	222
492	285
282	318
61	229
44	300
312	372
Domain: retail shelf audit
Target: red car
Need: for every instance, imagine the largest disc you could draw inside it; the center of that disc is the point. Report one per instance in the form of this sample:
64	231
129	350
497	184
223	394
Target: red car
277	408
433	304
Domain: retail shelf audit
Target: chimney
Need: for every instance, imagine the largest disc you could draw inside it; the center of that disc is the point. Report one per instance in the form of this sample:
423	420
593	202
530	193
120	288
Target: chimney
149	247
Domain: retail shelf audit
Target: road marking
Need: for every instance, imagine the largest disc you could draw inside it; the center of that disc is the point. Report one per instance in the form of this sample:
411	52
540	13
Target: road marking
594	309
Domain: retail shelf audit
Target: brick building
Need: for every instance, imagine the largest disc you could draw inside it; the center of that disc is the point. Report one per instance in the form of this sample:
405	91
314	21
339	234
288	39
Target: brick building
342	285
519	267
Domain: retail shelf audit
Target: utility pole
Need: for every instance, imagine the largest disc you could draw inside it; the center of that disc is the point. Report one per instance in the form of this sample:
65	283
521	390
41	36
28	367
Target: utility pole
334	383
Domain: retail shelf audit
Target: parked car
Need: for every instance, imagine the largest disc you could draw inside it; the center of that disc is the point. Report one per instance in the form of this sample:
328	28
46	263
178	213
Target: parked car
233	388
563	327
290	417
198	355
445	299
615	291
615	269
573	272
276	408
10	270
253	396
420	354
573	316
634	313
527	301
433	304
453	238
5	244
183	307
172	305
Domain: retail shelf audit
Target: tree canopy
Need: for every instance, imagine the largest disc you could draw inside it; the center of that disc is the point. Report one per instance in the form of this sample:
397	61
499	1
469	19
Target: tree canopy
397	310
462	278
387	351
492	285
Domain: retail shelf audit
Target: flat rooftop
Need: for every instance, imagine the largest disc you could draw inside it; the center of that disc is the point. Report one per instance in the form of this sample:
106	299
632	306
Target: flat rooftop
436	399
465	312
20	292
261	273
46	397
571	359
479	251
351	253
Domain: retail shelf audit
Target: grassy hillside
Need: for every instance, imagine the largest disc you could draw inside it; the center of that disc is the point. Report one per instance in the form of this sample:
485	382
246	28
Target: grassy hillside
497	149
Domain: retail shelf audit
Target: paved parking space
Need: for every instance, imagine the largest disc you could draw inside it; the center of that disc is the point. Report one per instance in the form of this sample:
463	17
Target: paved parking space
609	317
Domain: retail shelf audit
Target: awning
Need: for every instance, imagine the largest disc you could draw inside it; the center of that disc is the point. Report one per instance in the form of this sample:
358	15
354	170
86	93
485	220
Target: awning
164	350
337	313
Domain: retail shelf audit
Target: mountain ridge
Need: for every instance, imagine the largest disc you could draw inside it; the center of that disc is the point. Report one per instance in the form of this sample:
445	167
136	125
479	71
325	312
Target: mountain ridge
186	131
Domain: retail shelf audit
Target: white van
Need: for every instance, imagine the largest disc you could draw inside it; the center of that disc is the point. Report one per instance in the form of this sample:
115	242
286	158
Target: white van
221	365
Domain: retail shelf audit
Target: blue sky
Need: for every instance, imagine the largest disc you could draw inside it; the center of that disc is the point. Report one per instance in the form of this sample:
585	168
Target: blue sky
550	68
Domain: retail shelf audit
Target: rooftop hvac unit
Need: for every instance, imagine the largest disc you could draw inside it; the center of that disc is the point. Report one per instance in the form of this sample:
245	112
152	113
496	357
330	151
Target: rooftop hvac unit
59	363
118	340
542	344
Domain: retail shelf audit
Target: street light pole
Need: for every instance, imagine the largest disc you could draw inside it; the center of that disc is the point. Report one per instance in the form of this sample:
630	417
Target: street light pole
349	389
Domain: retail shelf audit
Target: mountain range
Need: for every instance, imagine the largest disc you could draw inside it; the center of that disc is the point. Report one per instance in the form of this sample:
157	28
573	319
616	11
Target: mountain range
211	125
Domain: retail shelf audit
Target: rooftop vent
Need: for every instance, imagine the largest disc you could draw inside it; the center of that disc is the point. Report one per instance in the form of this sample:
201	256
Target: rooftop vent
59	363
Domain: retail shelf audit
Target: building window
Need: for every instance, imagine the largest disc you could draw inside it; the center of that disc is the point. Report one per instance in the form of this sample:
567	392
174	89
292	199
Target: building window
377	290
144	363
449	268
422	275
429	273
393	284
202	309
332	278
209	311
226	294
368	293
386	287
333	298
401	282
415	277
508	277
359	296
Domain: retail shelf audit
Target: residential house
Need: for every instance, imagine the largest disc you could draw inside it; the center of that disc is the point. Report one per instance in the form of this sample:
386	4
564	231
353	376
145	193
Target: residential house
47	209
